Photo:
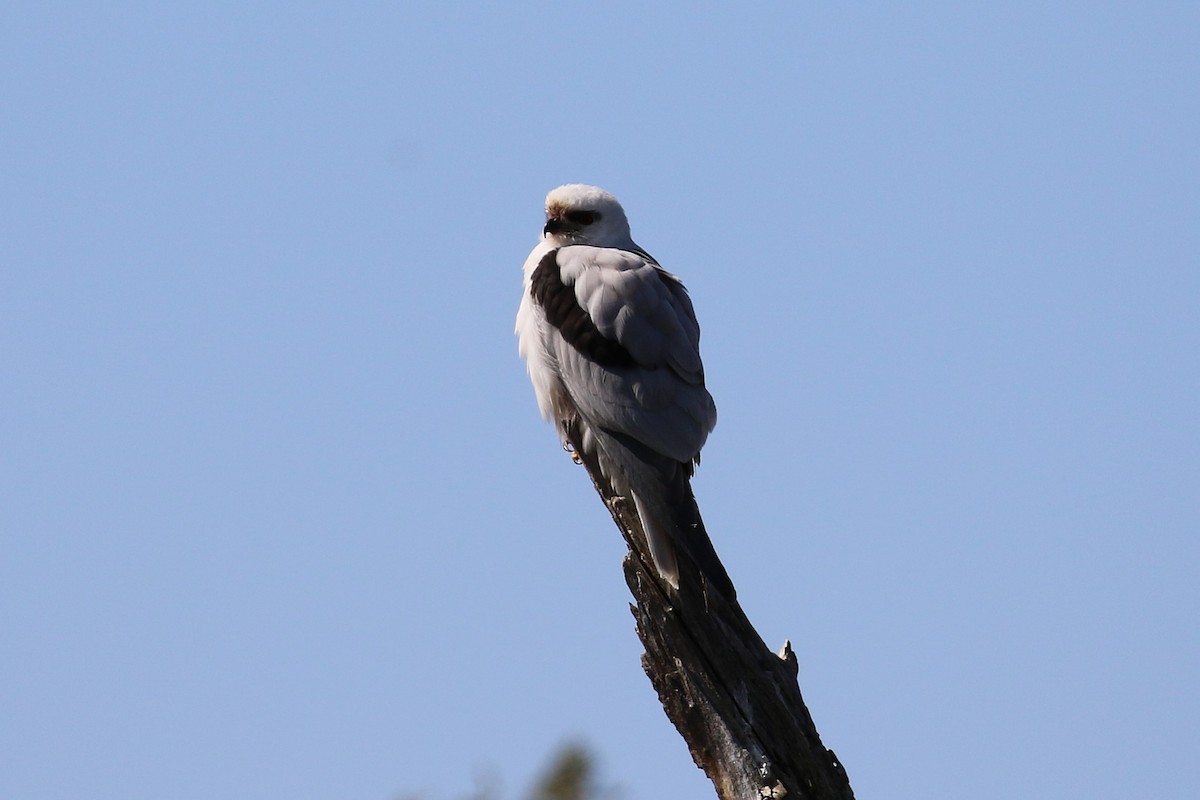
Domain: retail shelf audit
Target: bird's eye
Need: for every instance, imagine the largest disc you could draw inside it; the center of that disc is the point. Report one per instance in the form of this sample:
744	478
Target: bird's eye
583	217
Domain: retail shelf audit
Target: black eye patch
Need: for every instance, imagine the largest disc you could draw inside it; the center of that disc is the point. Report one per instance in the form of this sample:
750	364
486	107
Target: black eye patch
583	217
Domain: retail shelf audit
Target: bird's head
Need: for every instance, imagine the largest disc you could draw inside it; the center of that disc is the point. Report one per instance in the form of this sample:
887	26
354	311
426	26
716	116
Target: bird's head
582	214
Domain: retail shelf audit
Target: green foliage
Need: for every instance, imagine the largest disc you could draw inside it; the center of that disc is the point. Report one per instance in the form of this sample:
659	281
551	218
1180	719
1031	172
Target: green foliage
569	776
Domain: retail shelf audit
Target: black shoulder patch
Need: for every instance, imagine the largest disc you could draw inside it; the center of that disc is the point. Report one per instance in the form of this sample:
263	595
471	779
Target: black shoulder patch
572	321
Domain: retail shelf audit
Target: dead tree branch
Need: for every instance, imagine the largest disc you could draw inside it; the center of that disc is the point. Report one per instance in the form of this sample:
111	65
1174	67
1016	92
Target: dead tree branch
736	703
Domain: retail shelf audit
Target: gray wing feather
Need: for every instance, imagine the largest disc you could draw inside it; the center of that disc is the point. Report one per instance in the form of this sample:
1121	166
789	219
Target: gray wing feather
661	401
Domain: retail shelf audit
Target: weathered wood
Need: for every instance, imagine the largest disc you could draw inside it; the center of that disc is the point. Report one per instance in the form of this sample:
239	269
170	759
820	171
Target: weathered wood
736	704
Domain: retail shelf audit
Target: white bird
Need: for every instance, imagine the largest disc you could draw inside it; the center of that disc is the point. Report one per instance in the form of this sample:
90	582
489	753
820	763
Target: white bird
613	350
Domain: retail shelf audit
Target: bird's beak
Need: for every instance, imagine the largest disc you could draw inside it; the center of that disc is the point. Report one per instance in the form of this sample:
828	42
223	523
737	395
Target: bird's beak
559	225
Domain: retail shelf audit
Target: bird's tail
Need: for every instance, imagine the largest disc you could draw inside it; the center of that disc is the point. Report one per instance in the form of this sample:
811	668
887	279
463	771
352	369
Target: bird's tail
661	490
679	527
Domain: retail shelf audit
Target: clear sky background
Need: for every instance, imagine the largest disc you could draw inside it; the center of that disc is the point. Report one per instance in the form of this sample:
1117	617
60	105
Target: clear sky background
280	519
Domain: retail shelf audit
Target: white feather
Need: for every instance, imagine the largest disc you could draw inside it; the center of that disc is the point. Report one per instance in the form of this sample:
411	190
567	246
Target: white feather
660	402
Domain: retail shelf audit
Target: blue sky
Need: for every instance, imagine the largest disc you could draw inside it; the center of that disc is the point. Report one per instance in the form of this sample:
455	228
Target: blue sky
280	519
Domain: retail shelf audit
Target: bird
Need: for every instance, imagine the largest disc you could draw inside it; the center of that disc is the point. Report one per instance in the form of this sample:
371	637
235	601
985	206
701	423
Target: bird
612	347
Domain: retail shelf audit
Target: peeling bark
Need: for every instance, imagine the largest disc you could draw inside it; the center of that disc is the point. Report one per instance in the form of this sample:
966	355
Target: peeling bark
736	704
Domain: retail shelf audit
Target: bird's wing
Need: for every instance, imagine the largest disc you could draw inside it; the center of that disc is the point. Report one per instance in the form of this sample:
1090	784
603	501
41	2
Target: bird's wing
628	346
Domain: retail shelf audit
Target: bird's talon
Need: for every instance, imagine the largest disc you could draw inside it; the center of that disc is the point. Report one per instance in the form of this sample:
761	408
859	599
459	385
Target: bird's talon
570	448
